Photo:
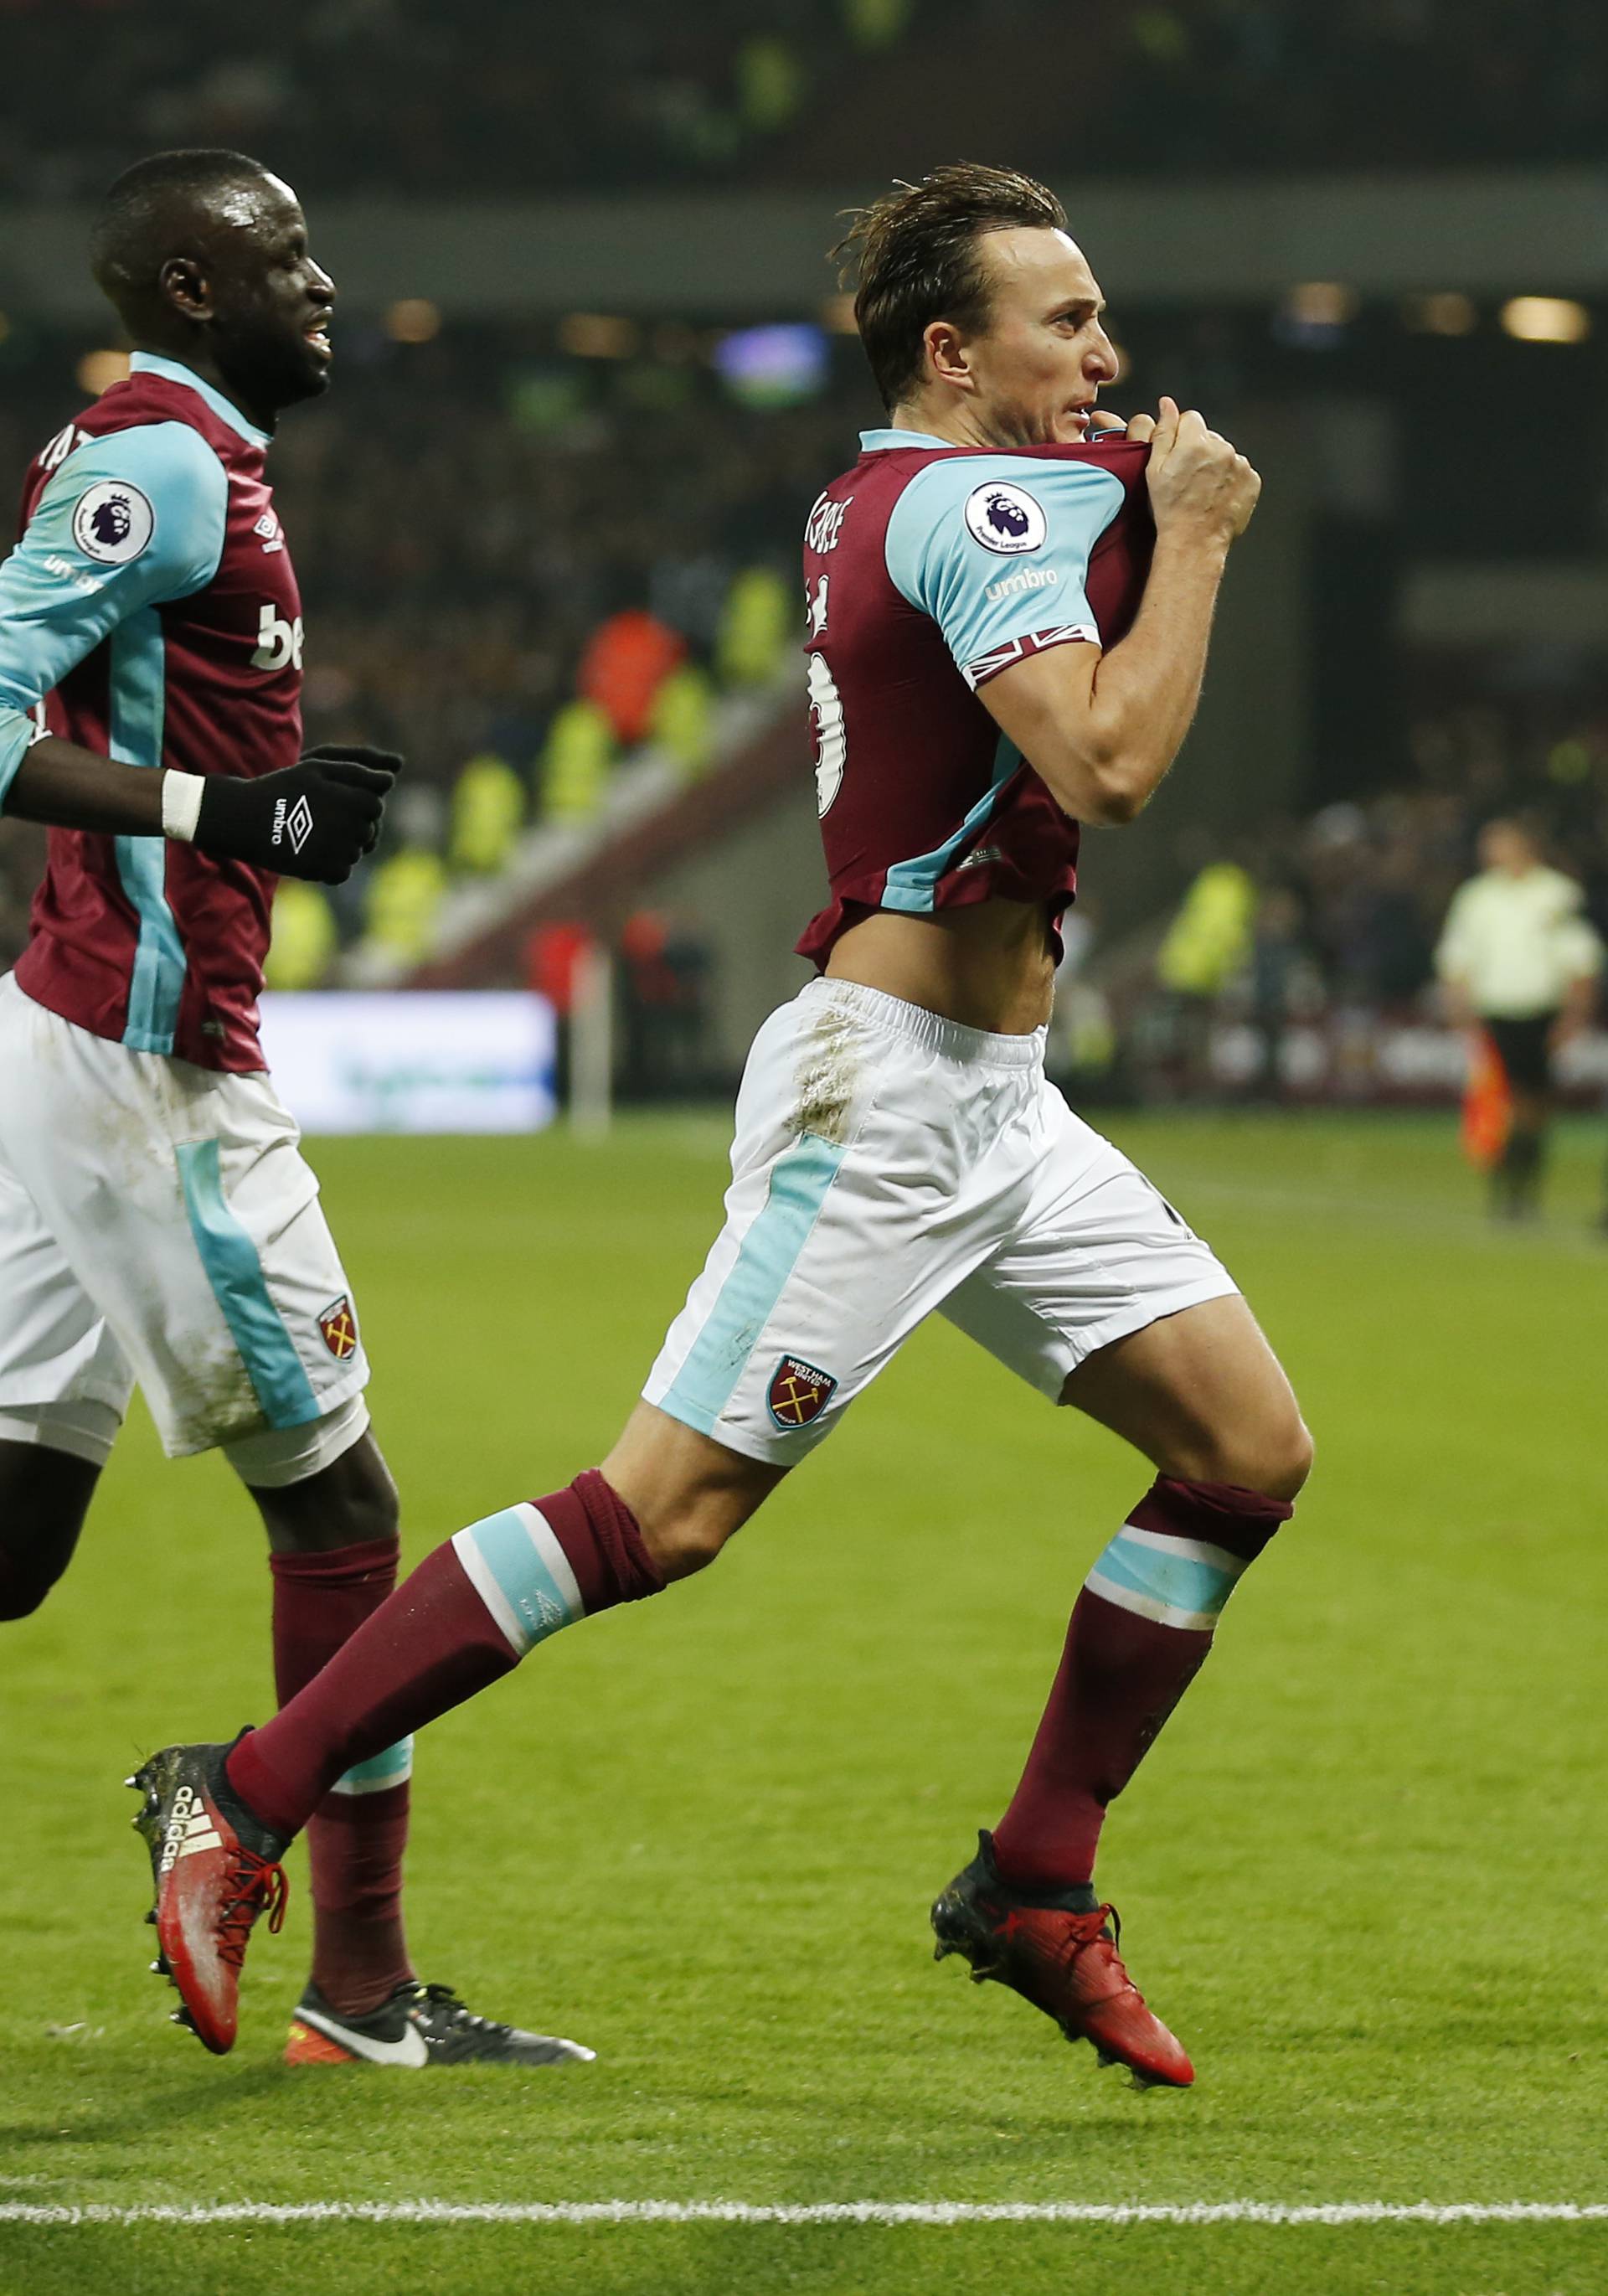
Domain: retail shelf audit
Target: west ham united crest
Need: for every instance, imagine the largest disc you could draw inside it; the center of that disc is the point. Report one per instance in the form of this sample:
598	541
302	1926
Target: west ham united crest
339	1326
798	1392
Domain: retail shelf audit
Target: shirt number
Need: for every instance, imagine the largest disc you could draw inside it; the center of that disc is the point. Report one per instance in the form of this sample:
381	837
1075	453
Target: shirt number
826	723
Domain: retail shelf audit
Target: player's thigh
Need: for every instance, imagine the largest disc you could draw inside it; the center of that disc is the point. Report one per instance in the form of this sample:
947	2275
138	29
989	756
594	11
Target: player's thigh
1202	1394
864	1188
1096	1255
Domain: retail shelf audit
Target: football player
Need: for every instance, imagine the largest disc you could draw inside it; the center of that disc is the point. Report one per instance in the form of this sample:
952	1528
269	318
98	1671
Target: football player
1008	618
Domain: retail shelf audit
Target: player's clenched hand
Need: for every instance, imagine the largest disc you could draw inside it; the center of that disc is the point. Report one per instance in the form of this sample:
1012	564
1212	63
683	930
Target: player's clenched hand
316	819
1197	480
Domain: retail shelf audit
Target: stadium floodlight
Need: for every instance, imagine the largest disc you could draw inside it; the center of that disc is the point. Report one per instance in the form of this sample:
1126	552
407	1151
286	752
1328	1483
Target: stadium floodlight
415	319
1546	319
1446	314
594	334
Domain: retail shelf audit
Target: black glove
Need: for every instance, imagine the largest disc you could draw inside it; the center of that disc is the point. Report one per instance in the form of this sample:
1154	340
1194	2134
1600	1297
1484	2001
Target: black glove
316	819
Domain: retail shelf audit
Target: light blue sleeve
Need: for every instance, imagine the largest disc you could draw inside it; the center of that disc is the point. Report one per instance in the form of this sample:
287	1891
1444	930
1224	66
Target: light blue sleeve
995	548
130	520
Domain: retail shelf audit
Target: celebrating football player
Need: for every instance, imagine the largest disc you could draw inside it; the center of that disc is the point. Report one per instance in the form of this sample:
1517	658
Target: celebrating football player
1008	617
157	1221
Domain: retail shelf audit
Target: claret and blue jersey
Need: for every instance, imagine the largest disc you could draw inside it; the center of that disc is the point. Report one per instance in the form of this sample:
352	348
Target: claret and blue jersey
150	613
928	569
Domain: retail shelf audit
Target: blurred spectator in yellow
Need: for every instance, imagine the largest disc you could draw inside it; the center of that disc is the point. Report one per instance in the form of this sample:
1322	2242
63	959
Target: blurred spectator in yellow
306	937
487	812
404	895
1520	963
756	628
683	719
575	763
1205	946
772	84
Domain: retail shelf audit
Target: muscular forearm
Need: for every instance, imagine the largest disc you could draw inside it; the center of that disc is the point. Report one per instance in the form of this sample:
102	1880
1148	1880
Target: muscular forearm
69	788
1146	688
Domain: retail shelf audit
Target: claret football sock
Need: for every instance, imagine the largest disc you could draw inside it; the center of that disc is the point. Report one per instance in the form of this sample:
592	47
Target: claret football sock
1140	1629
358	1833
467	1615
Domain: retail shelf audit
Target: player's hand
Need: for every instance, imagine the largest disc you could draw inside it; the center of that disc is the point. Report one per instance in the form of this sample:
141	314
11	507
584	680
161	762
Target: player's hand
317	819
1197	480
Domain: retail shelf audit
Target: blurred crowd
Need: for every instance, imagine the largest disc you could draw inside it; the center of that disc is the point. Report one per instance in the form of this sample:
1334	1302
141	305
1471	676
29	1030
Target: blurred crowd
1333	921
483	98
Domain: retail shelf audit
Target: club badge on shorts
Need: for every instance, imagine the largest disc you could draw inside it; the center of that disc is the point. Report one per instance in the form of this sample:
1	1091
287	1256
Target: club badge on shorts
798	1393
338	1327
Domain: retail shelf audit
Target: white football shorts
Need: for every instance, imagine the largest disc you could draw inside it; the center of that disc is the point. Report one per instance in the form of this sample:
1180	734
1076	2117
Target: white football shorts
158	1223
887	1163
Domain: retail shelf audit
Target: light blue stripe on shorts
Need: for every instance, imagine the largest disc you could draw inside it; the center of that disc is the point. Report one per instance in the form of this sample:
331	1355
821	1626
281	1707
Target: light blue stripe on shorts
234	1272
769	1253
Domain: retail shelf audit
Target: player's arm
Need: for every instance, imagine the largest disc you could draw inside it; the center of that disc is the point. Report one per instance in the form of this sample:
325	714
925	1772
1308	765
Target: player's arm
1101	729
1581	952
130	523
1454	957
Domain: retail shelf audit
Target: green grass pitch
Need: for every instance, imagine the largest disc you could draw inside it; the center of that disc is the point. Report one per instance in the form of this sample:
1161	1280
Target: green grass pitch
1362	1874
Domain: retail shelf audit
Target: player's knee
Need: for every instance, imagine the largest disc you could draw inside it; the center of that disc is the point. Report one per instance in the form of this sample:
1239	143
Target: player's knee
684	1540
374	1507
349	1502
1273	1456
1276	1459
1289	1460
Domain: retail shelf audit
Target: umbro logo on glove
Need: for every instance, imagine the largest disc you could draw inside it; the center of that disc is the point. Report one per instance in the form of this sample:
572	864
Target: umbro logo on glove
317	819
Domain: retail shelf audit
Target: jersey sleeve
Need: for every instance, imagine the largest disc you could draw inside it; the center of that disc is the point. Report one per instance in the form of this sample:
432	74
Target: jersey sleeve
996	549
130	520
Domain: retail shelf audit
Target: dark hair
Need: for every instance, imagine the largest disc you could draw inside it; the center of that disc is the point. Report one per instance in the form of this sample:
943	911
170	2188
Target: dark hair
127	240
913	253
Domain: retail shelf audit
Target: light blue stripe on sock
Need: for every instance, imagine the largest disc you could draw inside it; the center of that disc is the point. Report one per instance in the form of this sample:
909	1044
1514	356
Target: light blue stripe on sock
393	1767
504	1545
235	1273
1177	1580
799	1181
138	704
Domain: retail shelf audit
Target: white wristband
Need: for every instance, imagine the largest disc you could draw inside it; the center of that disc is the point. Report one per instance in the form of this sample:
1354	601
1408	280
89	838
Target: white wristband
181	805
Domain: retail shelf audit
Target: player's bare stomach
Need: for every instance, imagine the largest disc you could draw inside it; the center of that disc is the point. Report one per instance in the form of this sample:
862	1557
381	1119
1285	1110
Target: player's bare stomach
990	966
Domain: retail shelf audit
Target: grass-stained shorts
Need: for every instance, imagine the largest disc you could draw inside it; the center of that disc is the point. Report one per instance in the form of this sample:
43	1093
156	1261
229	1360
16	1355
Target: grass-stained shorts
159	1223
887	1163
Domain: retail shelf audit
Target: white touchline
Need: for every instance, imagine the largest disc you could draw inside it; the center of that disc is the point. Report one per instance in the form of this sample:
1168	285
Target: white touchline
815	2212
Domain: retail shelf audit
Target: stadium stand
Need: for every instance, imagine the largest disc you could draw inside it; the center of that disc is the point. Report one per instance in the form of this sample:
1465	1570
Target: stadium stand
444	102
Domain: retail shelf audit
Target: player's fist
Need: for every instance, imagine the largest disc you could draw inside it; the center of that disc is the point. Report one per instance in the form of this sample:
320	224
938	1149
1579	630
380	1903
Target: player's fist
1198	482
317	819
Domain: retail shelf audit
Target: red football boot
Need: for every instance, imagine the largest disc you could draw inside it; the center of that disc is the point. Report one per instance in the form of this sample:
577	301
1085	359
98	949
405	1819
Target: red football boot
1064	1962
215	1870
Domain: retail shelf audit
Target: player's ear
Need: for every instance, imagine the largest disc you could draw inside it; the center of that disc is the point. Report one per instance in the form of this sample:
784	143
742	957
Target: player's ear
947	359
181	282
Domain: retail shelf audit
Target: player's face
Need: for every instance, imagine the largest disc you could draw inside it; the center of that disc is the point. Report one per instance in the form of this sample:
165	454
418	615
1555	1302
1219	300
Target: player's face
1044	355
271	302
